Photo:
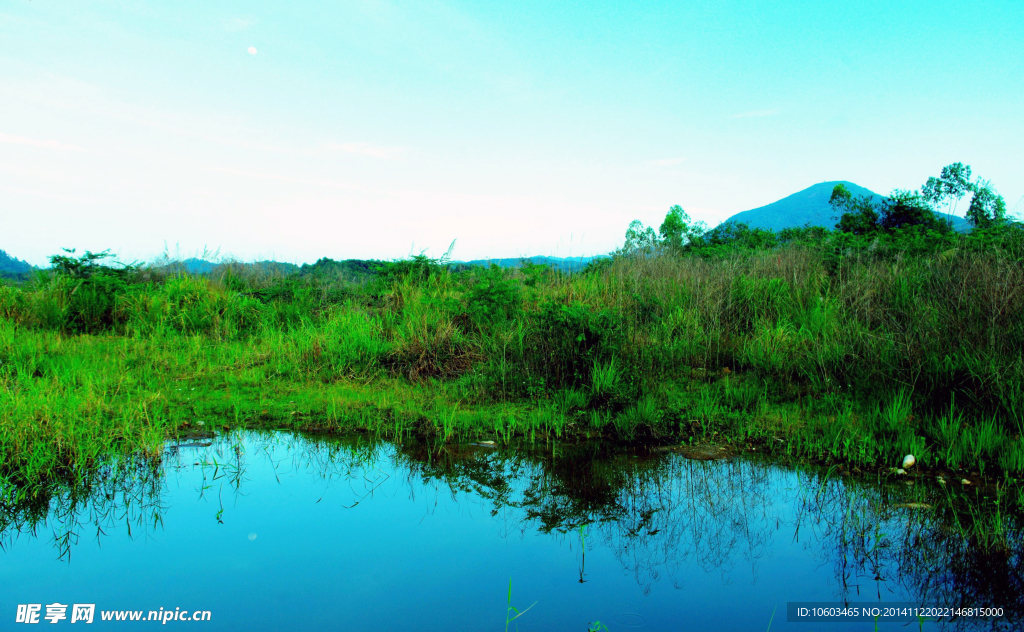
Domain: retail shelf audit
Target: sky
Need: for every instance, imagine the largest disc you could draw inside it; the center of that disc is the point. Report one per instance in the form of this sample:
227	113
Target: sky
379	129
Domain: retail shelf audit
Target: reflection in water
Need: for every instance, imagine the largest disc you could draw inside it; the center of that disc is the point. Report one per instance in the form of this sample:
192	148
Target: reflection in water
126	492
878	537
661	516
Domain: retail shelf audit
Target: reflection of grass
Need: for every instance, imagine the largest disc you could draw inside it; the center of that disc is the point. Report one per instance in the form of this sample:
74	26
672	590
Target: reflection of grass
583	551
931	539
90	500
981	520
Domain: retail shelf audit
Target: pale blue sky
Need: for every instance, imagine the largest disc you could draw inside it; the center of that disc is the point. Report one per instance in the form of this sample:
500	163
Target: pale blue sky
371	128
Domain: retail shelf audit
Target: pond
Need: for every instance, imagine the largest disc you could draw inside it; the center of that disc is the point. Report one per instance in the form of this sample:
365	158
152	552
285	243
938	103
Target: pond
278	531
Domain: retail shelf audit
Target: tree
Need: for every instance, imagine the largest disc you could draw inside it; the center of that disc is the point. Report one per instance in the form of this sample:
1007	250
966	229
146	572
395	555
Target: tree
639	238
82	267
987	206
739	234
674	227
855	215
87	289
953	183
903	209
677	231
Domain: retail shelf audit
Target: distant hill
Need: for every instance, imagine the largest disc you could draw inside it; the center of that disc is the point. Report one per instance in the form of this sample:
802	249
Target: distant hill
361	269
13	268
353	270
358	269
567	264
194	265
810	207
198	266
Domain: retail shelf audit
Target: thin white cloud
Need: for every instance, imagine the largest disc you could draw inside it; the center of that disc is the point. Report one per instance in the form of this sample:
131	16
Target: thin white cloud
235	25
368	149
756	114
667	162
78	98
265	176
32	142
49	195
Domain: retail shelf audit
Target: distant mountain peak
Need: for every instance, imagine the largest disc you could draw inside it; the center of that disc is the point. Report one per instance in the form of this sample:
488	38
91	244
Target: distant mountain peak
809	207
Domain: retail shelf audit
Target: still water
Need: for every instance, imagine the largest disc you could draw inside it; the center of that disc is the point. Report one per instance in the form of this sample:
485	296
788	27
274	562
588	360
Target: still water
275	531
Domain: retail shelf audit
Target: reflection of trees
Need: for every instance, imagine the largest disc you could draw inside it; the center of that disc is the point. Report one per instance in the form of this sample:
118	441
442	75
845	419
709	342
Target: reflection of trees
657	514
711	514
660	514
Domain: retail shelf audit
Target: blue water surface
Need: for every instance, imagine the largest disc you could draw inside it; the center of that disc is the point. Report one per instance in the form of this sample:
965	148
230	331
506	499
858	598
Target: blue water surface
275	531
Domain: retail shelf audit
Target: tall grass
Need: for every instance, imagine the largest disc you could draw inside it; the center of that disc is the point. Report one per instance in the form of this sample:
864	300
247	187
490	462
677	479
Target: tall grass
864	355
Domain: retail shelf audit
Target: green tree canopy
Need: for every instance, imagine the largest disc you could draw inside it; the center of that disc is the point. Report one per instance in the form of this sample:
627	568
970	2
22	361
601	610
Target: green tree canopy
904	209
639	238
987	206
676	232
856	215
674	228
953	183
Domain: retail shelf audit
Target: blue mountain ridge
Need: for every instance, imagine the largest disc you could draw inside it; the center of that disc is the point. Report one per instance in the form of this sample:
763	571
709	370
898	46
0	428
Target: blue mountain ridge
13	267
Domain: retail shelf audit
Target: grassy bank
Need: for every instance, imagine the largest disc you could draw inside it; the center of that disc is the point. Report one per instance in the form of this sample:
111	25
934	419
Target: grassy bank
809	344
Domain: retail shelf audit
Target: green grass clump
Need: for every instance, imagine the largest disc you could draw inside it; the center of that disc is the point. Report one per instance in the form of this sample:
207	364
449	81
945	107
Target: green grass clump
809	344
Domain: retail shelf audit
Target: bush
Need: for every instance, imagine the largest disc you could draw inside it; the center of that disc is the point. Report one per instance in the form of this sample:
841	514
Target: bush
80	294
493	296
571	339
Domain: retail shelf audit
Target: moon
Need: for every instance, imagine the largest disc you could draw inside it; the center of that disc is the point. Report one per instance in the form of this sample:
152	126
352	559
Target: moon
252	50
